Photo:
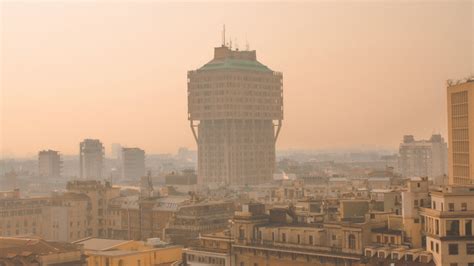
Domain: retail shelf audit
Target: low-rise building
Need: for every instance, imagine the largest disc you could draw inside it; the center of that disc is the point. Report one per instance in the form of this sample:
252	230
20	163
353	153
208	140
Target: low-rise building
36	251
214	250
109	252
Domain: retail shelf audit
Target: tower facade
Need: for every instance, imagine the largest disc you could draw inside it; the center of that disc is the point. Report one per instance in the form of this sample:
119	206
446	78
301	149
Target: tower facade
235	109
91	157
133	163
424	157
49	163
461	133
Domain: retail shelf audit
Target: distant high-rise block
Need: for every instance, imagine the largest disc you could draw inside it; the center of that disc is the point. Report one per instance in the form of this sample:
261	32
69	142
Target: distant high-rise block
424	158
133	163
49	163
91	156
239	105
461	133
116	151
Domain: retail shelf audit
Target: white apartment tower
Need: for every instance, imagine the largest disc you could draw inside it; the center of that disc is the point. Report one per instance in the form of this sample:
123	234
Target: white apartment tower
91	159
235	109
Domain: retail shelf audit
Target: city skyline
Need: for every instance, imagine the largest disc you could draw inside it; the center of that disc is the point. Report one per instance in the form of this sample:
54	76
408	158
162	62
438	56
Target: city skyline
323	52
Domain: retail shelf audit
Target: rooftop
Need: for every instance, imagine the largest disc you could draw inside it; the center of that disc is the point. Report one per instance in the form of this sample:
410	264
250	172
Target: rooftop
99	244
12	246
236	64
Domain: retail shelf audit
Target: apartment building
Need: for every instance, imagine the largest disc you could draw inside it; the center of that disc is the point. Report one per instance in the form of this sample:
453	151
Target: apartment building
49	163
99	193
448	226
424	157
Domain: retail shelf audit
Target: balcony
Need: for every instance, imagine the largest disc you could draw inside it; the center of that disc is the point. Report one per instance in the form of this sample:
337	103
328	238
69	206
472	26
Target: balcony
325	251
445	214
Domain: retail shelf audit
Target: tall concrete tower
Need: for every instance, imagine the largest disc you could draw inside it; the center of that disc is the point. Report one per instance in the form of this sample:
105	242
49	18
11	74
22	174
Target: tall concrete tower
461	132
235	109
91	157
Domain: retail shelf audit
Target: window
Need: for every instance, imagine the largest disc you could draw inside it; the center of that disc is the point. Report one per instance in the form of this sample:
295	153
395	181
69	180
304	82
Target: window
241	233
352	241
452	227
120	263
437	248
434	205
464	206
432	245
378	239
418	184
392	239
416	203
451	207
333	237
453	264
273	236
468	227
417	221
385	239
310	240
470	248
299	239
453	249
283	237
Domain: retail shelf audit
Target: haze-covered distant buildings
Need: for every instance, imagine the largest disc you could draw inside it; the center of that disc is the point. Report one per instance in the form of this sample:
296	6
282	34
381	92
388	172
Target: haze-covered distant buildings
49	163
236	100
133	163
424	158
91	159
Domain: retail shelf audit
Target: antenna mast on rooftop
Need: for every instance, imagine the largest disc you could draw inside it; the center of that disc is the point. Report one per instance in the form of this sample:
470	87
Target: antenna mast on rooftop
223	35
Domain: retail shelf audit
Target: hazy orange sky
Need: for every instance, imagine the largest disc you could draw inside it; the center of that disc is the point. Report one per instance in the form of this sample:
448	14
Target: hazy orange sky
356	74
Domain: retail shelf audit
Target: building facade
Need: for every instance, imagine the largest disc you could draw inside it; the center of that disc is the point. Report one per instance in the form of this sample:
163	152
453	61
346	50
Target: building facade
100	194
133	163
448	226
425	158
236	100
49	163
461	132
91	159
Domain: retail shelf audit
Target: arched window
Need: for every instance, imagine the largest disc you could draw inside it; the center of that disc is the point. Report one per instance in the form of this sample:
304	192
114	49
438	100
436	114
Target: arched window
352	241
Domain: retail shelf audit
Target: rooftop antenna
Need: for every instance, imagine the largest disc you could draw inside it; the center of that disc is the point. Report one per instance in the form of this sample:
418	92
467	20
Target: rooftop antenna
230	44
223	35
247	46
236	44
